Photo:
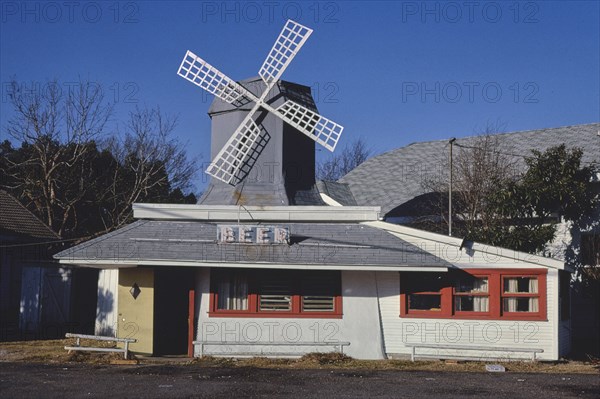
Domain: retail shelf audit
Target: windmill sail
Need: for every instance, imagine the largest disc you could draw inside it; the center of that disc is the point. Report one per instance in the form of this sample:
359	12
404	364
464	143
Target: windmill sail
288	43
206	76
235	153
322	130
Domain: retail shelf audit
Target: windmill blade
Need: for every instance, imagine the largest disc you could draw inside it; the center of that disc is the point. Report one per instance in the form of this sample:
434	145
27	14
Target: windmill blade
287	45
231	158
201	73
322	130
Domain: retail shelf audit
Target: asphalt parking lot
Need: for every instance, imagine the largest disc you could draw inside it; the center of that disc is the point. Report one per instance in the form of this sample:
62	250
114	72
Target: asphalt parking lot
30	380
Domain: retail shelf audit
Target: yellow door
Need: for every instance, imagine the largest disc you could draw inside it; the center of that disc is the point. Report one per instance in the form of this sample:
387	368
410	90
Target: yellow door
136	308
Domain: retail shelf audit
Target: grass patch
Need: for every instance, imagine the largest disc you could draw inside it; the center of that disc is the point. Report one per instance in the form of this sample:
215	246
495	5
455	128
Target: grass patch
52	351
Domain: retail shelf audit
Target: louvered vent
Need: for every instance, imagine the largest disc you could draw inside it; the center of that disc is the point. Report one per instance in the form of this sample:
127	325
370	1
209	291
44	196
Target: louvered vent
275	296
318	304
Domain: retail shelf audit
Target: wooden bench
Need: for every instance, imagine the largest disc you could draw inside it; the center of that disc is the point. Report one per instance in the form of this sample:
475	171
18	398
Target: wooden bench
413	354
79	337
338	347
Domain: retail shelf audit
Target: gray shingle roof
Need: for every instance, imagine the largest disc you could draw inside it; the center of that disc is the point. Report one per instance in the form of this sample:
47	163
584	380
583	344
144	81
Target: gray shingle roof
326	244
395	177
16	219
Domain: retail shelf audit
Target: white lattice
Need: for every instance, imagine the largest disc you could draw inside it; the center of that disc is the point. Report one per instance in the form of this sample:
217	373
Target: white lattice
287	45
201	73
324	131
236	157
231	158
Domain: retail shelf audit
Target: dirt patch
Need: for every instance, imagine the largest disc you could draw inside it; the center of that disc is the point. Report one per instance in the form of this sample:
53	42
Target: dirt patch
52	351
337	361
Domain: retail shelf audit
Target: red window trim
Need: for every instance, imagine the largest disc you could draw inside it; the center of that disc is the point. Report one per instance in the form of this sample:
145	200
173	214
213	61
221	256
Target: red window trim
495	288
469	314
296	311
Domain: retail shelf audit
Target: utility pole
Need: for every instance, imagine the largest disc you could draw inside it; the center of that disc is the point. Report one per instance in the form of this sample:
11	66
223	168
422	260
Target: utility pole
451	141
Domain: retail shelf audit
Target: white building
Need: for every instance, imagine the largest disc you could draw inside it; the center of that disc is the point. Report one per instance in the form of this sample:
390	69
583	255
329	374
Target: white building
341	277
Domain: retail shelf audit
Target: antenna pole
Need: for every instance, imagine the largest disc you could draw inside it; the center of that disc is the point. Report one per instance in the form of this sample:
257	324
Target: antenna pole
452	140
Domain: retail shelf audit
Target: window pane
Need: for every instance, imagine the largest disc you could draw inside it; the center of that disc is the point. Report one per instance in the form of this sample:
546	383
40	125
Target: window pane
468	303
526	285
424	282
475	284
521	304
232	291
275	295
425	302
317	304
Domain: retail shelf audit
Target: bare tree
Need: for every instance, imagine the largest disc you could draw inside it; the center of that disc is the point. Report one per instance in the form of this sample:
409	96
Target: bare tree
349	158
77	178
56	123
150	164
479	169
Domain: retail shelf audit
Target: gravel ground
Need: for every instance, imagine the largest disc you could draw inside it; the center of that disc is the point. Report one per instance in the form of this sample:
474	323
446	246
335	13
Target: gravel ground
31	380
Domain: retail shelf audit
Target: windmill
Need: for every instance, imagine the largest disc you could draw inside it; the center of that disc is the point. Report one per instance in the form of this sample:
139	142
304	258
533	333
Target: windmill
229	160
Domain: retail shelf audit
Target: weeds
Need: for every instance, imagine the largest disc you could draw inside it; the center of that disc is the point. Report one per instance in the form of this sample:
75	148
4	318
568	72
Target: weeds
331	358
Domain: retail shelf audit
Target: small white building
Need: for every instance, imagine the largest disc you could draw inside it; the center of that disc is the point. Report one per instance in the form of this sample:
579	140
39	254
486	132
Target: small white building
288	280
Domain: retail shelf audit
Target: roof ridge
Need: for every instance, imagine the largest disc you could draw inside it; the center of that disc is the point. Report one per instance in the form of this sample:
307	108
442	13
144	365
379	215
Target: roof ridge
394	150
497	134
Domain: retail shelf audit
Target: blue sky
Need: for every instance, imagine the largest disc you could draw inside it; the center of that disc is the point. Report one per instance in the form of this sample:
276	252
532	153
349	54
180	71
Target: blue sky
391	72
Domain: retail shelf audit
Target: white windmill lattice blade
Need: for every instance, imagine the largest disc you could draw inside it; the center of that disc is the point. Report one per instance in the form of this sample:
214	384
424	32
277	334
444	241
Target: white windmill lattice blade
232	156
201	73
322	130
287	45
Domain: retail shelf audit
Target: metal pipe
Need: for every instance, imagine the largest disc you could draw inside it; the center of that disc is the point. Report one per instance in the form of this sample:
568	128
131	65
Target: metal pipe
452	140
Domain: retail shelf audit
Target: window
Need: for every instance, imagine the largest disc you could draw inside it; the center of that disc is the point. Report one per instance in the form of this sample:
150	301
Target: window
471	294
426	292
317	294
475	294
520	294
232	291
275	293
